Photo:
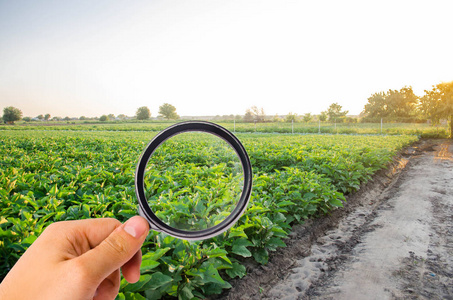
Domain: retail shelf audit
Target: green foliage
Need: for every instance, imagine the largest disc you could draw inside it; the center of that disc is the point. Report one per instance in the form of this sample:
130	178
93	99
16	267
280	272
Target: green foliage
389	128
57	175
438	103
143	113
11	114
291	117
392	104
254	114
323	116
307	117
104	118
334	112
168	112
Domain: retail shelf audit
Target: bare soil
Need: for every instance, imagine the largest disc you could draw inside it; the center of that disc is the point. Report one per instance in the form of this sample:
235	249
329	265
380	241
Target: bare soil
392	240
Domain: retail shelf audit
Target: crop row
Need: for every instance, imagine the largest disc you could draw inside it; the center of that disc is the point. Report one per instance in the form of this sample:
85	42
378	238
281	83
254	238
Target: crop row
52	176
423	130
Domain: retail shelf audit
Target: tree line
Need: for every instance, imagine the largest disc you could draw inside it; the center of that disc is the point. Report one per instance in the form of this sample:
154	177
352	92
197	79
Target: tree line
334	113
166	111
435	104
394	105
404	106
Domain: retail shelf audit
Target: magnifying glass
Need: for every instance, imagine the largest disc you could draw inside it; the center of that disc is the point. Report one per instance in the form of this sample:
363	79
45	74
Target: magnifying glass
193	180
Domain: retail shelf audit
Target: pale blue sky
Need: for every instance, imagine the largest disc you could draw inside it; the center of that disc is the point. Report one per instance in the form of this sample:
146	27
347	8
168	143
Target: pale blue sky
73	58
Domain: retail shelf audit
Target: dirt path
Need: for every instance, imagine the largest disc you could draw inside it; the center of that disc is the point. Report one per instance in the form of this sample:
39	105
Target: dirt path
393	241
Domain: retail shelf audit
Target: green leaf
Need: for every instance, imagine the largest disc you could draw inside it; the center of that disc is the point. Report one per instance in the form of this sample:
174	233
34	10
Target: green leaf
29	239
261	256
212	275
240	247
53	191
274	242
215	288
309	196
157	280
218	252
134	296
148	265
237	270
285	203
139	285
155	255
127	213
153	294
185	293
120	296
336	202
234	232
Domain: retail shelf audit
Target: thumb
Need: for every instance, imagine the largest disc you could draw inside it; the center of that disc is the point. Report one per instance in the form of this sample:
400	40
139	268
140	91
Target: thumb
117	249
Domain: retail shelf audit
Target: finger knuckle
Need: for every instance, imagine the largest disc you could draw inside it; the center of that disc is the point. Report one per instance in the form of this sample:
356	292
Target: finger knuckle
117	245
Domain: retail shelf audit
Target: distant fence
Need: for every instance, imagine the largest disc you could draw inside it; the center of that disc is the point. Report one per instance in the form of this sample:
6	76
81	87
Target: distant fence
421	129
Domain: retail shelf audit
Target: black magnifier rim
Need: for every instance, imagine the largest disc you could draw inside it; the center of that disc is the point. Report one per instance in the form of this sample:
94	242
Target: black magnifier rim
201	126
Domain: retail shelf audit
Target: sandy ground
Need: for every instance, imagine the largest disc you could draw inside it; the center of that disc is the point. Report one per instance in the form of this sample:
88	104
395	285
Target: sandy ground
393	240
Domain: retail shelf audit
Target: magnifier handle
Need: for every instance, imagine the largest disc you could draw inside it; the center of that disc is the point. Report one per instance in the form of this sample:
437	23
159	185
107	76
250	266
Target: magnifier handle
151	226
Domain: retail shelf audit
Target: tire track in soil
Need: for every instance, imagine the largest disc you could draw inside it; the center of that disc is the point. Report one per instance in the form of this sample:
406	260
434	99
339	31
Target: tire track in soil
393	240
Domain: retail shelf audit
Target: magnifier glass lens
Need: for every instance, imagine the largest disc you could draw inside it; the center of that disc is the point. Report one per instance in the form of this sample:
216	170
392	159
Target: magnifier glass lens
193	181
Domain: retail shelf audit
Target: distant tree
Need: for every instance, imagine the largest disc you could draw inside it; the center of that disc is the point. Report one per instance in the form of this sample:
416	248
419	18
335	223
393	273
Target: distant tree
67	118
47	117
26	119
277	118
307	117
376	106
248	117
323	116
392	104
82	118
143	113
104	118
40	117
121	116
334	112
255	113
11	114
111	116
401	103
439	103
348	119
291	117
168	111
56	118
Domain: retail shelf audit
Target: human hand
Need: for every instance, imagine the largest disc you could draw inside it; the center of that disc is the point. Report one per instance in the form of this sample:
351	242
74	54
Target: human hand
78	260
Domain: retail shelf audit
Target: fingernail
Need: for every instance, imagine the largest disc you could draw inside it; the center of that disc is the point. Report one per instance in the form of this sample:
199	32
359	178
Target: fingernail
135	226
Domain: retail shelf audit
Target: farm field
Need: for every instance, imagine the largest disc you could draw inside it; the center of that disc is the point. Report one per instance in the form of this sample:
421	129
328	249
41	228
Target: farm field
420	129
391	241
49	176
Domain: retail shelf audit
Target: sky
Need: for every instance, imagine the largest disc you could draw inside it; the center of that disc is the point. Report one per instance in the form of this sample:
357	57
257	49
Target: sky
217	57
